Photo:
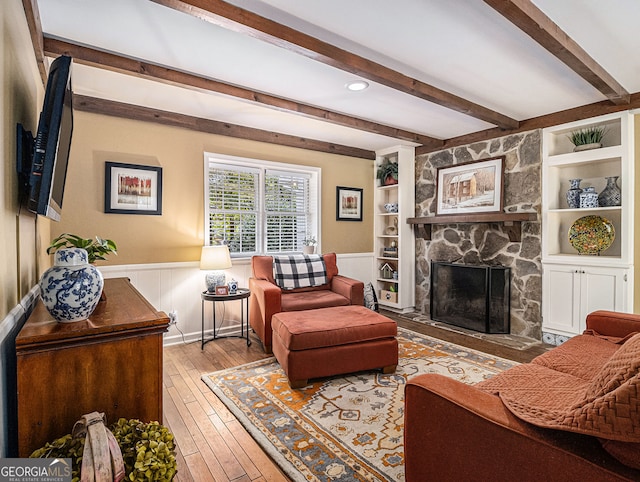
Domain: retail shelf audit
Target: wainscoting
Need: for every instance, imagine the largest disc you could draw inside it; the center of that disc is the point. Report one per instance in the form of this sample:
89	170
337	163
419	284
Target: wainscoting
168	287
10	326
176	287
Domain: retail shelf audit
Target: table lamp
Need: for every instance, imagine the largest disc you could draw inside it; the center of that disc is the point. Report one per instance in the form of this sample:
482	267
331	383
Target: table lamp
215	259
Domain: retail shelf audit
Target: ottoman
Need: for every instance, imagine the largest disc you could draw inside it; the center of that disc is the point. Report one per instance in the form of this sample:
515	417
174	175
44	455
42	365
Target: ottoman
332	341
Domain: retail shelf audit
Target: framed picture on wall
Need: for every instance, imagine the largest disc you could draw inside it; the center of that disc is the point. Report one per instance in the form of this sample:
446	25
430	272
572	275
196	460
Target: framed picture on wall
132	189
472	187
348	203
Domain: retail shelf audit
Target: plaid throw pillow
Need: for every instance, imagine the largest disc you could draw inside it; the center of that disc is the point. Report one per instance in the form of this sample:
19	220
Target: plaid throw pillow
299	271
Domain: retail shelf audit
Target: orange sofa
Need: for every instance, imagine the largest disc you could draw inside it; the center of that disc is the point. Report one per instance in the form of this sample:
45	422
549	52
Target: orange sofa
571	414
267	298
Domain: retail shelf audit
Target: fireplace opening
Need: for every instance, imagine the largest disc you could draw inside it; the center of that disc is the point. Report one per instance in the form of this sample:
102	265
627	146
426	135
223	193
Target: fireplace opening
473	297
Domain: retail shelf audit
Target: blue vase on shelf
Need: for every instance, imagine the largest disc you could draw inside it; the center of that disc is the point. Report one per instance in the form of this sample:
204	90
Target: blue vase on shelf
610	195
589	198
573	193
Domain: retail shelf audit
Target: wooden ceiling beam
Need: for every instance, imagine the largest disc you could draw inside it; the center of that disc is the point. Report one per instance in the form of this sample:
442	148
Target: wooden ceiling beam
35	31
234	18
121	64
562	117
134	112
531	20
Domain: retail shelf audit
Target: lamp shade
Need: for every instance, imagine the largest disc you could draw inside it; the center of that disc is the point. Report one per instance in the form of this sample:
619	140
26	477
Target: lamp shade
215	258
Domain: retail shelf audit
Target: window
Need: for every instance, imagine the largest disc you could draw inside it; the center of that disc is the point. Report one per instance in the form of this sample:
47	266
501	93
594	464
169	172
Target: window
260	207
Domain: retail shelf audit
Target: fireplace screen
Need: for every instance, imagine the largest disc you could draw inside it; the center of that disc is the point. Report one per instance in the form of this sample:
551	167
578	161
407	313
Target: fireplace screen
473	297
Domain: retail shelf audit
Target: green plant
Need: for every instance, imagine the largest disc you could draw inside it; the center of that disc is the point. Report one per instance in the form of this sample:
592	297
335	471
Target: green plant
66	447
309	241
387	169
591	135
97	248
148	450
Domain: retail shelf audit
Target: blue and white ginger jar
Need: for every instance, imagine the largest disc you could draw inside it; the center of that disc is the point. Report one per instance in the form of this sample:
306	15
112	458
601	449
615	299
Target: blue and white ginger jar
72	287
589	198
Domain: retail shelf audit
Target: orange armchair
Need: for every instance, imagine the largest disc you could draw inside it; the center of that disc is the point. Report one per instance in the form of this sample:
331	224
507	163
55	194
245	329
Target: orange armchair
267	298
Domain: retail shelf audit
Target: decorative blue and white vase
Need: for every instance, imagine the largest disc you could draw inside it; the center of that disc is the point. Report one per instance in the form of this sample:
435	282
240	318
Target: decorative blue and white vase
233	286
71	288
610	195
573	194
589	198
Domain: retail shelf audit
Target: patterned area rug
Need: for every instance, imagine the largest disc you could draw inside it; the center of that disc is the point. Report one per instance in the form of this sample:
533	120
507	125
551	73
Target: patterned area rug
347	428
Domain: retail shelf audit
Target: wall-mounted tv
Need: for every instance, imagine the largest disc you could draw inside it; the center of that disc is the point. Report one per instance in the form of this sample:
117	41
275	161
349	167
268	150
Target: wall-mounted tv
52	143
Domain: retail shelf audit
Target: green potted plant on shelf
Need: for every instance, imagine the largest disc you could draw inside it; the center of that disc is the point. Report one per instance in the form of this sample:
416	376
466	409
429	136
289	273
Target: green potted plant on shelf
589	138
387	173
97	249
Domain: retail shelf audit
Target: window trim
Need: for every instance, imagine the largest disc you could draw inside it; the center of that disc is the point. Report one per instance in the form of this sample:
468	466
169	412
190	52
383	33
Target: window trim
315	184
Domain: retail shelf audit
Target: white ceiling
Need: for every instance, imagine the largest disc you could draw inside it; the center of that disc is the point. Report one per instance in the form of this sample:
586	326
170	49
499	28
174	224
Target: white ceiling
461	46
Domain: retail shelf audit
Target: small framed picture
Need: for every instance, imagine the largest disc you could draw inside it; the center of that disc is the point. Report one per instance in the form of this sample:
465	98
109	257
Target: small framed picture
132	189
222	290
348	203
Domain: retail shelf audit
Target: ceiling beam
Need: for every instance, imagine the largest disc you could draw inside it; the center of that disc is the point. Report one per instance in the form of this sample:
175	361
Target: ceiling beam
134	112
530	19
35	31
547	120
234	18
127	65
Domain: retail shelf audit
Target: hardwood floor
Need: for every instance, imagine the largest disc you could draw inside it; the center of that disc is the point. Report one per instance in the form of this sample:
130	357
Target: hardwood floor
212	445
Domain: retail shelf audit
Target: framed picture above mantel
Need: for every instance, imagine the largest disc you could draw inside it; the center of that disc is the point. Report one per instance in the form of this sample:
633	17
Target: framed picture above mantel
472	187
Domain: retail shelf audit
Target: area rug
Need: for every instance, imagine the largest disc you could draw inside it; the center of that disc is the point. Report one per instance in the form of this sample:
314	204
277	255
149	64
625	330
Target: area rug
347	428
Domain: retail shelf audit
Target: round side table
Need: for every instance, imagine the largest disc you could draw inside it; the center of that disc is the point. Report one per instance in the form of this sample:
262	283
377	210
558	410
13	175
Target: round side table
241	294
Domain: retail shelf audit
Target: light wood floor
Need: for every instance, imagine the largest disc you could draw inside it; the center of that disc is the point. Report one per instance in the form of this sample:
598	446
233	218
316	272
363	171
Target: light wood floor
212	445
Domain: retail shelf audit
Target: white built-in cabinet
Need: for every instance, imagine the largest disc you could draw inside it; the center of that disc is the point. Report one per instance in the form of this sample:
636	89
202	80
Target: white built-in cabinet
572	292
574	284
395	286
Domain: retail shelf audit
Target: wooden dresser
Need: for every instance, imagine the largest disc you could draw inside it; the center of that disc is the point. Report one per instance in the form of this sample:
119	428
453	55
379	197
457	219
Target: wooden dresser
111	363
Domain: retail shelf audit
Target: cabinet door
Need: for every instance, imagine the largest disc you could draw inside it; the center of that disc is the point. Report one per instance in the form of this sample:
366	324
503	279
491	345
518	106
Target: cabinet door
601	289
561	299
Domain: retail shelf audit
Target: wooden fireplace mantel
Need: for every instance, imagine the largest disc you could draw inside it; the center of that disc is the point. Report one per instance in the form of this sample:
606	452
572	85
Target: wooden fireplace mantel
511	222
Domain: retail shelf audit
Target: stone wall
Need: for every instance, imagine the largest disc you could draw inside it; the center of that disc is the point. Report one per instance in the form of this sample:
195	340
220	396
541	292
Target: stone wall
486	243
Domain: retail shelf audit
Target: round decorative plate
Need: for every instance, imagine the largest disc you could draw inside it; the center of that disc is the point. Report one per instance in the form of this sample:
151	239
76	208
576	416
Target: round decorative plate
591	234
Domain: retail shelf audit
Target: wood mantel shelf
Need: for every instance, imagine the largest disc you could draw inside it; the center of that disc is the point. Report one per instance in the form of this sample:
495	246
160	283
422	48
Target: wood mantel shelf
512	222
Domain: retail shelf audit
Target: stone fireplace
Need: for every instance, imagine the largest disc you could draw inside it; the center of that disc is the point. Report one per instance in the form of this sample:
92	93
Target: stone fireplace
487	243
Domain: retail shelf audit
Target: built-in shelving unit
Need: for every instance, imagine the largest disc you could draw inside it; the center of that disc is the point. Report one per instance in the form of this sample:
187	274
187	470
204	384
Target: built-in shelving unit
575	284
395	286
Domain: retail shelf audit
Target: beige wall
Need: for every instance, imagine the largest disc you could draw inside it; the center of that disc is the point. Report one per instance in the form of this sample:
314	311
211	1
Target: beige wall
177	235
21	94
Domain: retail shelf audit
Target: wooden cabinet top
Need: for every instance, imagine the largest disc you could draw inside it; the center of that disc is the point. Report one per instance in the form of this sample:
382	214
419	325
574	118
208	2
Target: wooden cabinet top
125	312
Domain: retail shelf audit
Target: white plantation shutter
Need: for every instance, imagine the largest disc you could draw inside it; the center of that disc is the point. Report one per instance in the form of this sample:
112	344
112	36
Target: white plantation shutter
286	210
234	207
256	209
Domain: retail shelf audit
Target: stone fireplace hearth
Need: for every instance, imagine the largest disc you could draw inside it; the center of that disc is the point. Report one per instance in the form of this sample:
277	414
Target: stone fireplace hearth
487	243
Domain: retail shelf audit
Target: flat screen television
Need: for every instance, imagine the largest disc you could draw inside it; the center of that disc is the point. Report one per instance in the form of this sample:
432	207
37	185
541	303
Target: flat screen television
52	143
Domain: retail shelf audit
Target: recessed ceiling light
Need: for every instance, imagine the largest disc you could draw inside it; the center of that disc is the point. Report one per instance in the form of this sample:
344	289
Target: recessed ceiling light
357	85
